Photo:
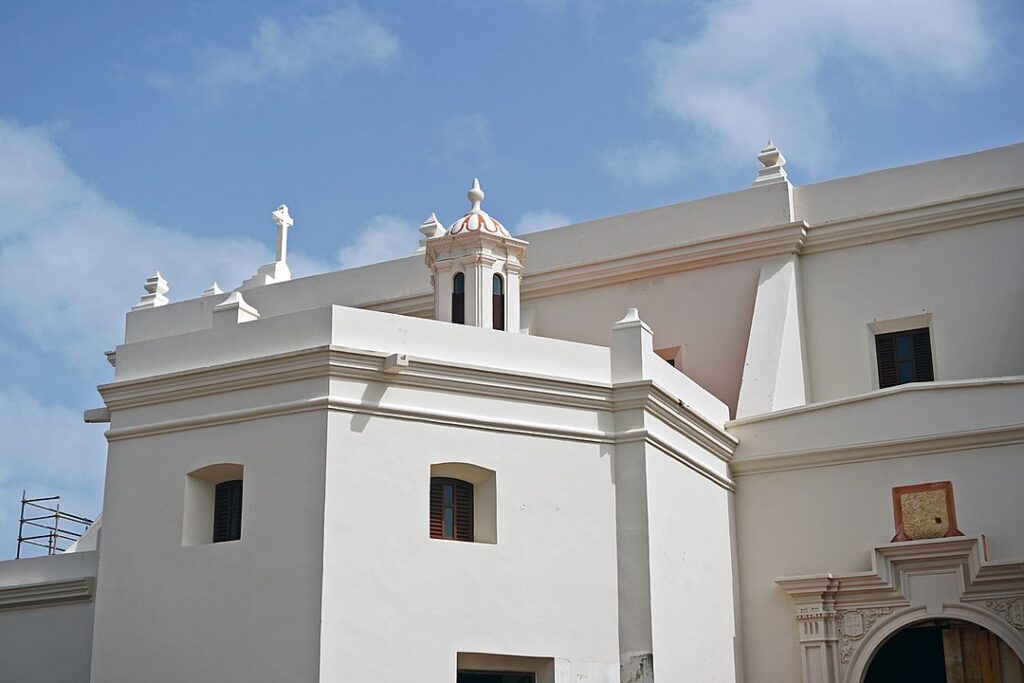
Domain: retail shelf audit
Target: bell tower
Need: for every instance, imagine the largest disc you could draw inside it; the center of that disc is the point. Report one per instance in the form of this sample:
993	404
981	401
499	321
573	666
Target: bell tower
475	270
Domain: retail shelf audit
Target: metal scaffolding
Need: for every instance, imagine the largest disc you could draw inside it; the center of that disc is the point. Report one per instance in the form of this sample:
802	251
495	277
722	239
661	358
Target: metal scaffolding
55	530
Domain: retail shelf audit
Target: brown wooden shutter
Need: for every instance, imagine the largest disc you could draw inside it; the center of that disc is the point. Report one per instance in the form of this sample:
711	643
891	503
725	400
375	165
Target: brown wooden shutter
923	356
436	513
463	511
459	508
885	349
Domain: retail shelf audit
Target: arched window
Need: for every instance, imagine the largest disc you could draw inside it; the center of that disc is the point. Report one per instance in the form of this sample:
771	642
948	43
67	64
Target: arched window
451	509
459	299
498	302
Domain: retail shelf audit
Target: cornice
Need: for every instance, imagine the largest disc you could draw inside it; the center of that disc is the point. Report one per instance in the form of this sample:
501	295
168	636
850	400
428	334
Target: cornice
877	394
330	362
797	237
934	217
879	450
760	243
47	593
883	584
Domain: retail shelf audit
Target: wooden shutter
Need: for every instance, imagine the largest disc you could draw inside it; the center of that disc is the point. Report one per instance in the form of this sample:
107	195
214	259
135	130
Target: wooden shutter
436	525
460	509
922	356
885	349
227	511
463	511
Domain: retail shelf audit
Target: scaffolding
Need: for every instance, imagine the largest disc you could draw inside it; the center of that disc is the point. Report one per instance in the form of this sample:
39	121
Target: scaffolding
55	530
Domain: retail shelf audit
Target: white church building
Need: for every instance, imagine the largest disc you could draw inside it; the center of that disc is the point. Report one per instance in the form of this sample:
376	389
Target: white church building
775	435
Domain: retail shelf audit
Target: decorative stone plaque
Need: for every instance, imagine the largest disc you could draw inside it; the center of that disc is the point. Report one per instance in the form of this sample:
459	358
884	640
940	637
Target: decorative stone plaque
924	511
853	624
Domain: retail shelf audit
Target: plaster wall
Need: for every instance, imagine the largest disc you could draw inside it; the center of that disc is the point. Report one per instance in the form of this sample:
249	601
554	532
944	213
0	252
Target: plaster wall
244	610
904	186
828	519
969	281
46	644
691	581
547	588
707	313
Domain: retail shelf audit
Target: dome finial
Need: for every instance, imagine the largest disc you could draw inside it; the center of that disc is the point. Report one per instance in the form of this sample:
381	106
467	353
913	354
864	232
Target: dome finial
475	196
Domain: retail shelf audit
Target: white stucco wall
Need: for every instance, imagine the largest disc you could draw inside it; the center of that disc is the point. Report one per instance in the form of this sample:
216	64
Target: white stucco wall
706	312
692	611
246	610
969	280
46	644
828	519
398	605
46	637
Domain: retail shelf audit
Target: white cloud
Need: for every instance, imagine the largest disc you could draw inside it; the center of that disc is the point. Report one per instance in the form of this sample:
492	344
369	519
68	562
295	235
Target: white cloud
533	221
72	261
383	238
466	140
47	451
647	163
345	40
756	69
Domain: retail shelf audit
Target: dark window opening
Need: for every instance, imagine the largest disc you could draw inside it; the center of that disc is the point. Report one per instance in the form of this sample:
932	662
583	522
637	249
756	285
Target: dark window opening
227	511
459	299
904	357
451	509
498	302
494	677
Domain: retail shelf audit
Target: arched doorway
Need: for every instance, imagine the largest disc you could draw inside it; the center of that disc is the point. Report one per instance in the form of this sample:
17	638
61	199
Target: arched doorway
944	651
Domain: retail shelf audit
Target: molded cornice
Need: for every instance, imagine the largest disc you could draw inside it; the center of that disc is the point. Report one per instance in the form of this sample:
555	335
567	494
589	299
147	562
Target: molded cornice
331	362
798	237
47	593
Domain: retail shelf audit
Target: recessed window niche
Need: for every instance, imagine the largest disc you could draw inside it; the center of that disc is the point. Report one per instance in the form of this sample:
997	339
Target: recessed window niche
212	515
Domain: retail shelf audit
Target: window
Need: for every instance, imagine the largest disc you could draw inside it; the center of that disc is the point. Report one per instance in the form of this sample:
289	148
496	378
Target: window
227	511
459	299
904	357
451	509
498	302
494	677
213	505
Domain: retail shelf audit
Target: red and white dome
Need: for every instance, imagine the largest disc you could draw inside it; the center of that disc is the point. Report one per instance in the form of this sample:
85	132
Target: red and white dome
477	220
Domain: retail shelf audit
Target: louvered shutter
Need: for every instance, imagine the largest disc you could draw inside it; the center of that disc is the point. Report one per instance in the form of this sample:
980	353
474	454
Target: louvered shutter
227	511
463	511
923	356
436	511
885	349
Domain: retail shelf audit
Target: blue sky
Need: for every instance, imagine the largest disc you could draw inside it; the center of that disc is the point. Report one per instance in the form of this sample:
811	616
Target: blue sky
145	136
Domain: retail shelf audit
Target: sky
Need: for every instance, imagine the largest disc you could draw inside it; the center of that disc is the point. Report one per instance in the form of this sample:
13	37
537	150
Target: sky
137	137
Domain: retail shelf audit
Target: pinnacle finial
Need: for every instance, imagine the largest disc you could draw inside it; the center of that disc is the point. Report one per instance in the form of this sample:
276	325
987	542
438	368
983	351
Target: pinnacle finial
431	227
156	287
772	163
475	196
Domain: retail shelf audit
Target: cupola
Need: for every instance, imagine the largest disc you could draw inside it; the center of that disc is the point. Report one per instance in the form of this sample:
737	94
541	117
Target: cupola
475	269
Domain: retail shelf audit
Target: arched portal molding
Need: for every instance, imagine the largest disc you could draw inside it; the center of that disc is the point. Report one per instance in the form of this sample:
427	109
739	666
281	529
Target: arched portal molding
842	619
